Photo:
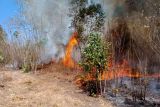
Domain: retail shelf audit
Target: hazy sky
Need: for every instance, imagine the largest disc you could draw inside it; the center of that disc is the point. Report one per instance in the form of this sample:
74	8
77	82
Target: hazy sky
8	8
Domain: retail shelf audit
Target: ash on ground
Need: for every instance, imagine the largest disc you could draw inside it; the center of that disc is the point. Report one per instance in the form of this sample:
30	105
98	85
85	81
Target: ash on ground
132	92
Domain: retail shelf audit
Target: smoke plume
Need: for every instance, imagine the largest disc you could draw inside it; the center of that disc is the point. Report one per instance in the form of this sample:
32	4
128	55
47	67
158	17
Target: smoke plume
50	18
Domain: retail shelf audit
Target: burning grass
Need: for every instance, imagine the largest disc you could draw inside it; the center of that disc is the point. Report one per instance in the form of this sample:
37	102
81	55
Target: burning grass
112	78
123	85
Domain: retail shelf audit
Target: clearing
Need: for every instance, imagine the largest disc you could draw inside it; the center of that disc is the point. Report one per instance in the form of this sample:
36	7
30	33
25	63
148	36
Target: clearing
51	87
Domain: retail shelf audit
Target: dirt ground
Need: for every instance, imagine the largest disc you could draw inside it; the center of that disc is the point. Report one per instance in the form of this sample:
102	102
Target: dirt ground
53	87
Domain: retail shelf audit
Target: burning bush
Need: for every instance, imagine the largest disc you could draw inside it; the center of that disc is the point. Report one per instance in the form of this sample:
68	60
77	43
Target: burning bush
94	60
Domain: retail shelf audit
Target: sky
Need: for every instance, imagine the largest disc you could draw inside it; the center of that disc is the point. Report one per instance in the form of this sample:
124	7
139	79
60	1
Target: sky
8	9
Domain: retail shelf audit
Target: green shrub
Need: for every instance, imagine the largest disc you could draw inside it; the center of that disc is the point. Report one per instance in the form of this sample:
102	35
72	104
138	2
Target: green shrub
95	55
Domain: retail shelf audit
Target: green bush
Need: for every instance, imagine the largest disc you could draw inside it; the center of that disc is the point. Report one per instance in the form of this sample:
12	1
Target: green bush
94	57
95	53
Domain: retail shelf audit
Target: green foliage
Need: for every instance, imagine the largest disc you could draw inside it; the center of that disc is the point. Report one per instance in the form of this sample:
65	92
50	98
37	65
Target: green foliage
83	15
95	54
94	61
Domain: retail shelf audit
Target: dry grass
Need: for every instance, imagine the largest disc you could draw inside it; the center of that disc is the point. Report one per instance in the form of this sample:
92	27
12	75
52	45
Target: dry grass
51	89
136	38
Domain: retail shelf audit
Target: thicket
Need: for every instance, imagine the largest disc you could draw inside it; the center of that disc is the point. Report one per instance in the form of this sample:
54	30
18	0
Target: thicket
21	49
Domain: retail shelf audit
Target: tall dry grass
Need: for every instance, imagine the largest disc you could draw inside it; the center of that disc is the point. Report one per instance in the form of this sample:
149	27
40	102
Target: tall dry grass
136	38
23	47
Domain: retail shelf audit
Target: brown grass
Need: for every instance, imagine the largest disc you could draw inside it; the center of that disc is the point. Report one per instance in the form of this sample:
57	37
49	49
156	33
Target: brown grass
52	89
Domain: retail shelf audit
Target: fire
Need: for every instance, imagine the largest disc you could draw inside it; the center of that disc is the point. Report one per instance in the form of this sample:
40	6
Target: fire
116	71
119	70
113	72
68	60
124	70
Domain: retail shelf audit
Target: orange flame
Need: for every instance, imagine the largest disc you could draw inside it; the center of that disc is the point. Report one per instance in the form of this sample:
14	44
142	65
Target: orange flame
124	70
114	72
68	60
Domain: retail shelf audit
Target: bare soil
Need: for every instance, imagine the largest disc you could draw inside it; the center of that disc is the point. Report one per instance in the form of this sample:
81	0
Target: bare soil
51	87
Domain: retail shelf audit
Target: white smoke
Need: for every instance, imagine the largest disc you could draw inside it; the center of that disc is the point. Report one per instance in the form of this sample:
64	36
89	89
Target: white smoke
50	18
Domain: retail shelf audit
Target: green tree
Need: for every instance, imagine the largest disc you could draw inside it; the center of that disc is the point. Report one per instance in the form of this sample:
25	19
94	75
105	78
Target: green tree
87	17
95	55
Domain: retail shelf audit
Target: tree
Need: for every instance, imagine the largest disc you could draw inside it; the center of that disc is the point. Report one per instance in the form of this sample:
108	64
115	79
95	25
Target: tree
94	56
87	17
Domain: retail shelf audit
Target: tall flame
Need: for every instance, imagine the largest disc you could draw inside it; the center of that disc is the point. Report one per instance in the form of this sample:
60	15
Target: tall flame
113	72
68	60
